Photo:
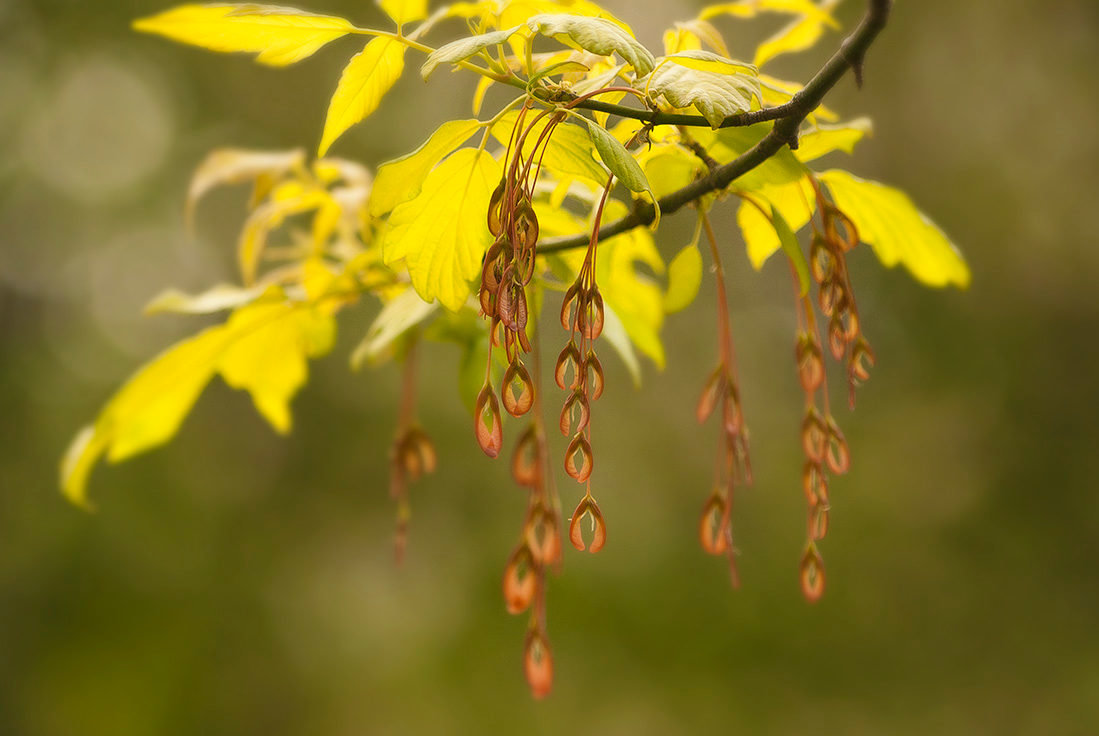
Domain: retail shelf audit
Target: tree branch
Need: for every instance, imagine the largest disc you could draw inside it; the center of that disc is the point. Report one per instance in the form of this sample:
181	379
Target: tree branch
785	131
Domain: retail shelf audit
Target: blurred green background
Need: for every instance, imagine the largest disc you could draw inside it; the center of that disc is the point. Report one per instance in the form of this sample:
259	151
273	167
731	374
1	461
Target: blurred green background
236	582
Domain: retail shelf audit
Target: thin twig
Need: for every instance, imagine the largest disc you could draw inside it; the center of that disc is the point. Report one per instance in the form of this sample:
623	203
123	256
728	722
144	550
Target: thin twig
785	131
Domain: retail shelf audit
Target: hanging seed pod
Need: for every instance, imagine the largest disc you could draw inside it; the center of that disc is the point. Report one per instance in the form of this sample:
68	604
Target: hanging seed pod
814	483
571	304
821	262
518	390
423	448
594	371
810	362
813	436
849	320
495	207
591	320
567	372
712	525
538	665
578	458
818	522
838	456
812	574
711	392
492	269
487	297
829	295
588	507
526	463
837	338
488	426
526	226
862	358
542	535
520	582
524	265
575	414
849	237
742	461
732	419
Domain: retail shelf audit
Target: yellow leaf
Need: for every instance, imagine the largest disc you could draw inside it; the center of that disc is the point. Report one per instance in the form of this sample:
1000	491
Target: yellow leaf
750	8
397	317
898	232
280	36
365	79
146	411
404	11
262	348
442	233
795	202
288	200
236	165
798	35
267	356
400	180
778	92
827	138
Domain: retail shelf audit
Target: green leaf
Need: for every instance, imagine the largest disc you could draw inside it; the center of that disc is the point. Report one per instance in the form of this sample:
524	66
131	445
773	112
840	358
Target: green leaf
795	202
597	35
715	86
793	250
827	138
463	48
442	233
399	315
621	163
281	36
400	180
365	80
899	233
404	11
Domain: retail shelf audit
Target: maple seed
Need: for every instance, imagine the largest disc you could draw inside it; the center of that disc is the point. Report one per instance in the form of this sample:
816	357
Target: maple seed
520	582
579	447
526	465
518	404
575	414
538	665
568	360
489	429
712	526
812	574
495	205
588	507
595	378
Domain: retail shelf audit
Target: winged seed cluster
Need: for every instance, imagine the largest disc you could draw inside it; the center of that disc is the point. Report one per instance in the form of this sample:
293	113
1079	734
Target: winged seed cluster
494	216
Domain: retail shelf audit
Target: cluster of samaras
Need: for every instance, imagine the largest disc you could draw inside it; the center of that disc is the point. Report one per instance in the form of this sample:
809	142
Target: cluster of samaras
700	126
507	271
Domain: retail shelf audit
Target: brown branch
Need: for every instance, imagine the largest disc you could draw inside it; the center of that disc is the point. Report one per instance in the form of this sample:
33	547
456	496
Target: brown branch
785	131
